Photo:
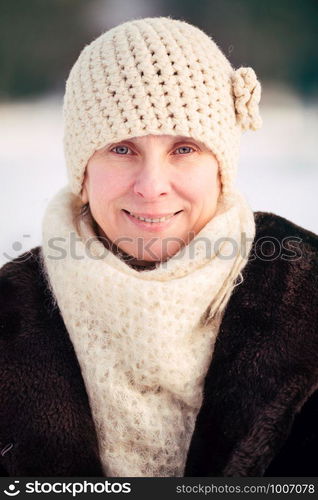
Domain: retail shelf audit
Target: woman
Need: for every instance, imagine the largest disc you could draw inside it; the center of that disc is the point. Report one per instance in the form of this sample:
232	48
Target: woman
162	328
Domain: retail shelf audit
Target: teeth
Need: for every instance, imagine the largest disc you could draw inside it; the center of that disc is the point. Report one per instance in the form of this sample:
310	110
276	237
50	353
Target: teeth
152	220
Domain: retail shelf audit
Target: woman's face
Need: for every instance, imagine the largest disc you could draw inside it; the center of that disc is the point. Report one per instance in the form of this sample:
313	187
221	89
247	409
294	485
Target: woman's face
152	177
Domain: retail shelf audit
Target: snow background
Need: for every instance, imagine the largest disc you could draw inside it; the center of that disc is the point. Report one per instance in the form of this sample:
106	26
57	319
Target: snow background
278	170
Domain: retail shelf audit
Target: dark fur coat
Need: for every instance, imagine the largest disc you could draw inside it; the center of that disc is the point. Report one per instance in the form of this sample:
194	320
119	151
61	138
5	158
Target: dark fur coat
259	415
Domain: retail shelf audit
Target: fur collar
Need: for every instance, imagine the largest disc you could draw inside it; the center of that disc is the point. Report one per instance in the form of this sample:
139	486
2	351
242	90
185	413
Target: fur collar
264	369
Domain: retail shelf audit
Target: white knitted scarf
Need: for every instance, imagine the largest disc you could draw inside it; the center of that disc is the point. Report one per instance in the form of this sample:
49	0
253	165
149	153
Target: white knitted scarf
144	340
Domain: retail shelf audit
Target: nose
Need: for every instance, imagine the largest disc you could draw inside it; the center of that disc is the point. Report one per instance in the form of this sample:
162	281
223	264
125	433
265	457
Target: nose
152	182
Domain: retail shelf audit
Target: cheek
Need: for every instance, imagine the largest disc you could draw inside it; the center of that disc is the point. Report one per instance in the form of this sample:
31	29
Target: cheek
211	181
202	184
105	185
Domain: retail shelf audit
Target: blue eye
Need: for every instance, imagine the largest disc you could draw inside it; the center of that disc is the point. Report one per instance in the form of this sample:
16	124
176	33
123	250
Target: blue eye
185	150
121	150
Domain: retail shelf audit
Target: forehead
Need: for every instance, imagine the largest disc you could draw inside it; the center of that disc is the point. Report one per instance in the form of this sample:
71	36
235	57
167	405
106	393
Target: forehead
160	137
152	139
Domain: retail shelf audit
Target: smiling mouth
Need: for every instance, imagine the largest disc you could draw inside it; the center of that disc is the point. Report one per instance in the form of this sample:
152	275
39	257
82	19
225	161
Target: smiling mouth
151	220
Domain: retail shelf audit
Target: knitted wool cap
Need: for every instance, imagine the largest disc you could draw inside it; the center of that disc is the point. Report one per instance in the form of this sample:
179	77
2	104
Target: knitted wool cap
157	76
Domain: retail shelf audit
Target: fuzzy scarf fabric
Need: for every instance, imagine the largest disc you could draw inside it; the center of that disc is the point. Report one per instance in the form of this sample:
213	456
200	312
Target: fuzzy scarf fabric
144	340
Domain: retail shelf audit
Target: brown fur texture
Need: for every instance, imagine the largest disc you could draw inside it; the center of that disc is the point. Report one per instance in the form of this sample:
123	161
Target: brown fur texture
259	415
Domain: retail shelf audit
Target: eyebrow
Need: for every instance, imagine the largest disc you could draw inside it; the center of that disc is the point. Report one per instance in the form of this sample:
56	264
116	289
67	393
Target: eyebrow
174	139
185	138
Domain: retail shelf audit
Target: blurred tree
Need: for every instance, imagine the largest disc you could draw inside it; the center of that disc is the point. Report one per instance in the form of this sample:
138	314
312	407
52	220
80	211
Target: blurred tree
41	39
277	38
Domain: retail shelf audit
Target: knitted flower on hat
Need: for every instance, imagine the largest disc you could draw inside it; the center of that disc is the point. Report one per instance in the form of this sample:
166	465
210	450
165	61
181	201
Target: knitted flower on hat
157	76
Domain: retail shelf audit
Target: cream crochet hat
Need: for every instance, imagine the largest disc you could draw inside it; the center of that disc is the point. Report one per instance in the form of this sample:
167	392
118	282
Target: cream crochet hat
157	76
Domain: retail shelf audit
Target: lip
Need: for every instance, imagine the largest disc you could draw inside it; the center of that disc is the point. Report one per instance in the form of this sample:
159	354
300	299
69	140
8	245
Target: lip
152	227
152	216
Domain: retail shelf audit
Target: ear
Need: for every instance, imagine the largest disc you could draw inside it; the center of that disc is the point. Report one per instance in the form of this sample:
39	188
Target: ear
219	181
84	195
